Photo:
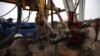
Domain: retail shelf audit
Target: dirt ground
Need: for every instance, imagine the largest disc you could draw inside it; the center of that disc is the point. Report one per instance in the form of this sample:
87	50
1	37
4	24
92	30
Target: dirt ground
50	50
97	48
62	50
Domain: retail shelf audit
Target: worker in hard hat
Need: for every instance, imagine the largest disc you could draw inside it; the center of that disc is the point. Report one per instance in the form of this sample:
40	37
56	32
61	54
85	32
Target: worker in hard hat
91	34
40	23
42	30
38	19
19	47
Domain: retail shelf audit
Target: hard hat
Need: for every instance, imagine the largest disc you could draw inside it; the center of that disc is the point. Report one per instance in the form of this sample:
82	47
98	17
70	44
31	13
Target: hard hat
38	18
18	35
85	24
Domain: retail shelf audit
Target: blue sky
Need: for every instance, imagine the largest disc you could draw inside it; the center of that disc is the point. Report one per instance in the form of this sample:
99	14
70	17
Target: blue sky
92	10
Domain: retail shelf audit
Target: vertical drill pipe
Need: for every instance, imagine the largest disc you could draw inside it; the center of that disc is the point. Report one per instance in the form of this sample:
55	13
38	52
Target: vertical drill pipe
56	45
40	10
51	12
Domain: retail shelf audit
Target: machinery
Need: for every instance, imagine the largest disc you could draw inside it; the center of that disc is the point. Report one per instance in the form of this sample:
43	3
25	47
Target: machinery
42	7
27	29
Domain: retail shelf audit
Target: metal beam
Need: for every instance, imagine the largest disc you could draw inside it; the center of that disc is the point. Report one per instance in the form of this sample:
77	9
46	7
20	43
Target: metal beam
81	10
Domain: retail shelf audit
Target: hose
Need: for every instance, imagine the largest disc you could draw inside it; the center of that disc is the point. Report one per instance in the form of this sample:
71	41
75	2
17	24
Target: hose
8	41
27	17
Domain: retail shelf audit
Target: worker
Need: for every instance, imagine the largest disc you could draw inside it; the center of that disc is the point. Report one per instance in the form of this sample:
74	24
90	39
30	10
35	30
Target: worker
19	47
89	41
42	30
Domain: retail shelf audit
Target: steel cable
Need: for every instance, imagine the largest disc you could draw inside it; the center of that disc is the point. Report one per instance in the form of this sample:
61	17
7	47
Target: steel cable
8	12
